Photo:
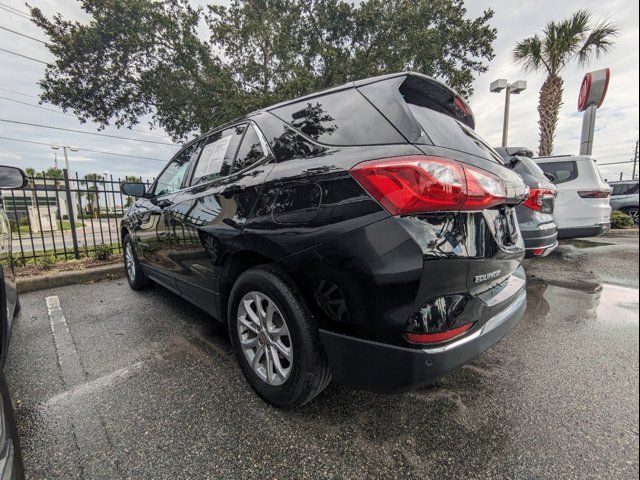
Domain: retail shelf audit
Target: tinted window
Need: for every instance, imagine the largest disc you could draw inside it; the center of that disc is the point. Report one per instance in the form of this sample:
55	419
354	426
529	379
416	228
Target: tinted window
619	190
562	171
445	131
624	189
341	118
290	146
250	150
217	154
170	180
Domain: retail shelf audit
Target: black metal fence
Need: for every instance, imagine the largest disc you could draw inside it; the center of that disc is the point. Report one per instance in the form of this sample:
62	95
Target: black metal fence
64	218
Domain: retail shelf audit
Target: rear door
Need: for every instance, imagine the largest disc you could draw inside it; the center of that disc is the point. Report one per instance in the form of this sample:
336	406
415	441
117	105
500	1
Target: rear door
564	175
583	197
206	217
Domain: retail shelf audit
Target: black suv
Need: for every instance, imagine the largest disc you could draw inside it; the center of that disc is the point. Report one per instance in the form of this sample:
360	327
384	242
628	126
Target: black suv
364	233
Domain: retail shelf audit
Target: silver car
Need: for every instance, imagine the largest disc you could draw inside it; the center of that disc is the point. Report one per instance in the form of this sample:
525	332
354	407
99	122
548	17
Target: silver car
624	197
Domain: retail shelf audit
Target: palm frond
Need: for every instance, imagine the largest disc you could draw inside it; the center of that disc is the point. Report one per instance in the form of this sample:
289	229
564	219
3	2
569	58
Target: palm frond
528	54
571	35
598	42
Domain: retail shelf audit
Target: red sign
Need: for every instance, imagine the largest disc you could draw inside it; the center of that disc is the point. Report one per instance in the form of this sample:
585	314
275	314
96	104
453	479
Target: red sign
593	89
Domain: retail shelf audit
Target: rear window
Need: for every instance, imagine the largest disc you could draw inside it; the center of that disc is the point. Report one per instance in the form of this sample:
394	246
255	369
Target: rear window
525	164
561	171
445	131
342	118
619	190
624	189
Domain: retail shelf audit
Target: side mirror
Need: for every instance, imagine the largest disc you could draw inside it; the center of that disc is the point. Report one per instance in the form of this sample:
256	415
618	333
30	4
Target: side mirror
12	178
550	176
134	189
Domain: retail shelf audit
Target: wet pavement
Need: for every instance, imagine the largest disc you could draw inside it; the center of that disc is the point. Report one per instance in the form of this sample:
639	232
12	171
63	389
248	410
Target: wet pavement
111	383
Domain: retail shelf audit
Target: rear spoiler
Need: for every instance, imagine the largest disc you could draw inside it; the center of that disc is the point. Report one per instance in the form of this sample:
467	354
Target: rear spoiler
507	153
422	90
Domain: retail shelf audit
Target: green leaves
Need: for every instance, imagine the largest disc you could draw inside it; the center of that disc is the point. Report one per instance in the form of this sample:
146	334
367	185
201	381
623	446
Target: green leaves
577	37
143	57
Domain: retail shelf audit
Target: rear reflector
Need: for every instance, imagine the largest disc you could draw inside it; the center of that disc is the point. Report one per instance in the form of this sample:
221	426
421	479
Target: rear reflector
538	251
537	197
594	193
419	183
438	337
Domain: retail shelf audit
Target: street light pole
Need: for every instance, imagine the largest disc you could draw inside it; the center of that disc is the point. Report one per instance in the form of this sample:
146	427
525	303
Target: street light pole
73	148
106	197
505	121
510	88
70	197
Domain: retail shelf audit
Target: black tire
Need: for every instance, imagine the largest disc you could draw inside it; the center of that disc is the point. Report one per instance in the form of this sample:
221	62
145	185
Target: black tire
17	308
138	280
633	213
309	371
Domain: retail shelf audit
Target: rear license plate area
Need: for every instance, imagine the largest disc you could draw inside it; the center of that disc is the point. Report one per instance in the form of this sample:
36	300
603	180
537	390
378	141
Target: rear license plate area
506	226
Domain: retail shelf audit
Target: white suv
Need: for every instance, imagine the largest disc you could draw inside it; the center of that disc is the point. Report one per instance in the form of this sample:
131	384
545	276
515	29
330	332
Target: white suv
582	206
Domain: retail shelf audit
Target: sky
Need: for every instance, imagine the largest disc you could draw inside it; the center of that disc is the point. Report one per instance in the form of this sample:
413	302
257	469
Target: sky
616	127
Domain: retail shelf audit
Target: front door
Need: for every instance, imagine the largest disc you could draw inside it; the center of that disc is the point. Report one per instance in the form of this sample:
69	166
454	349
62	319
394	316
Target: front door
207	216
152	224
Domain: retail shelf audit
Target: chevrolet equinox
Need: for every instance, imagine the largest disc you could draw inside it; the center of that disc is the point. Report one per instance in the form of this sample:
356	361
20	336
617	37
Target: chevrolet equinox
364	234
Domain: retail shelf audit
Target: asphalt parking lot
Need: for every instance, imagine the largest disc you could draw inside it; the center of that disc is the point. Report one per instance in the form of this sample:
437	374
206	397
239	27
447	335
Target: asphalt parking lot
112	383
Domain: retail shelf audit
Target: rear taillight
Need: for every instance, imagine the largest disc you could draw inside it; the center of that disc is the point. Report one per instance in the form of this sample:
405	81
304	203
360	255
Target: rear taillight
538	197
418	183
594	193
438	337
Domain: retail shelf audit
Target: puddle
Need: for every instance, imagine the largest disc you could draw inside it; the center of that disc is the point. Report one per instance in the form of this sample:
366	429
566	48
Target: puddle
580	300
618	305
585	243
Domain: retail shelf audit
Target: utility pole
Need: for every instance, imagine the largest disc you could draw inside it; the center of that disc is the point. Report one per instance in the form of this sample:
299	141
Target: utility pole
635	162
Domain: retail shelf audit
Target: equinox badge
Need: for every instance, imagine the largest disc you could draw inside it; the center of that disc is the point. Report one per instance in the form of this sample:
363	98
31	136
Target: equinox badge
486	276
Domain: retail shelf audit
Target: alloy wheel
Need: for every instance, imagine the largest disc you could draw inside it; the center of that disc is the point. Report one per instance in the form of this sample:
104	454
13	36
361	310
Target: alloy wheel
129	262
264	338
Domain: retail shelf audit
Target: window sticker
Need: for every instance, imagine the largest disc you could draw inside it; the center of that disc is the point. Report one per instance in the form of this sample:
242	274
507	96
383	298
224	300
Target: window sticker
212	158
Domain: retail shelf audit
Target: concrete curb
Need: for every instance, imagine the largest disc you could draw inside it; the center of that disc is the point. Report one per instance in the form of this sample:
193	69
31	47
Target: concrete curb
622	232
60	279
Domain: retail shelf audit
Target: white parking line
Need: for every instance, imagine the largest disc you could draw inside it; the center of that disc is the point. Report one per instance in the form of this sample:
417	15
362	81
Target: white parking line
94	448
68	359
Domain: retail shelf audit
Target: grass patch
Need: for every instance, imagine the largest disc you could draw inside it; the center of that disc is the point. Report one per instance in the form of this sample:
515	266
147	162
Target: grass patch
65	225
46	265
49	257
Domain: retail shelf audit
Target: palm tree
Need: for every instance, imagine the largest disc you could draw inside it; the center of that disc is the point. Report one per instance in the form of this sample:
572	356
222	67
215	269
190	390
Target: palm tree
575	38
91	181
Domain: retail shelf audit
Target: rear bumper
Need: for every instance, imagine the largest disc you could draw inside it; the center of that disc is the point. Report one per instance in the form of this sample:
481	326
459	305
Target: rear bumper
540	239
542	251
582	232
392	369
